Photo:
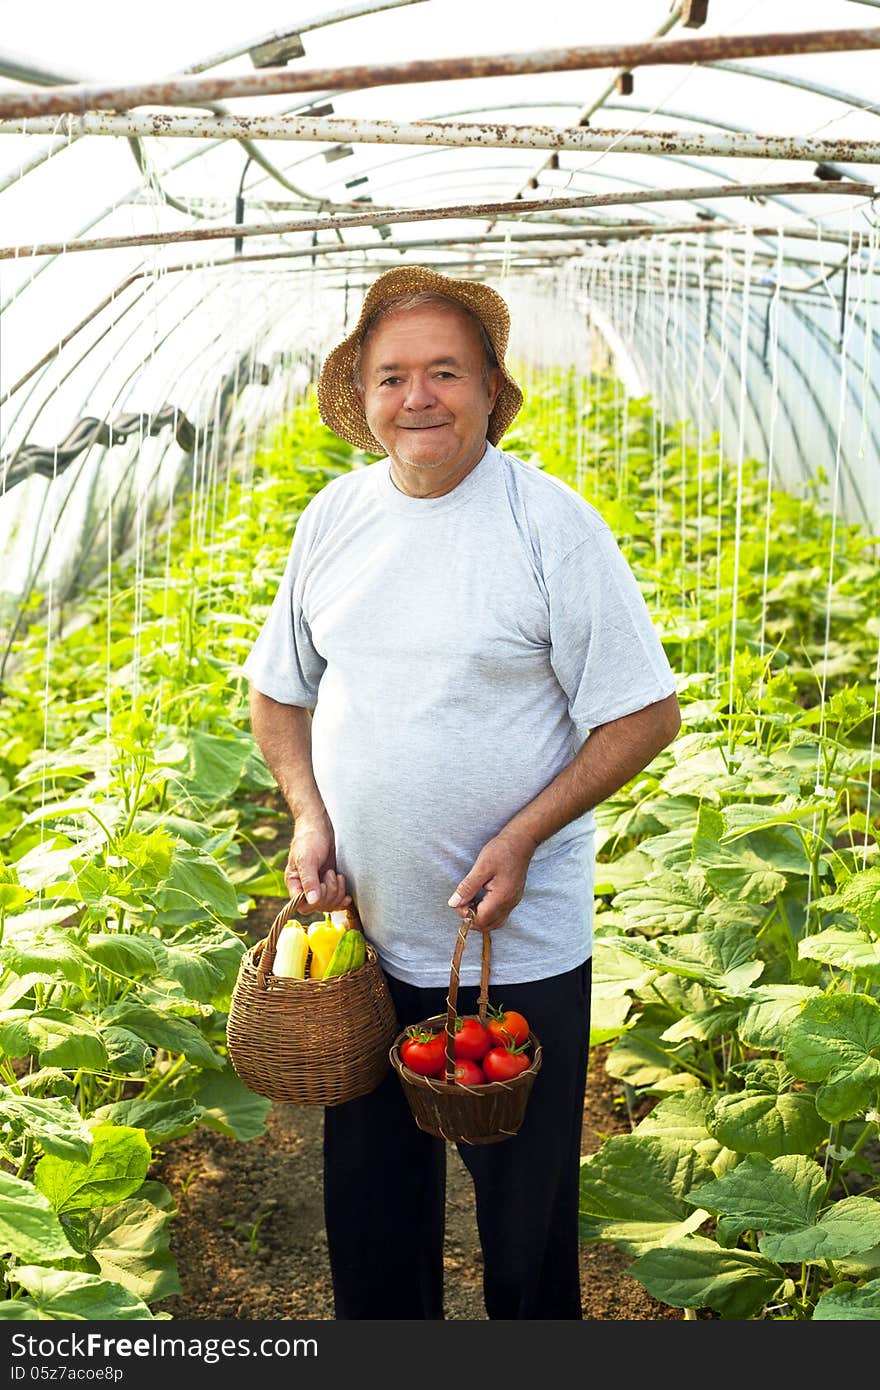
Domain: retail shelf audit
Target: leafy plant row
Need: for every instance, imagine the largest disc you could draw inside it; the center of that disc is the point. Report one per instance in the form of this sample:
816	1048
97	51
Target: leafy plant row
133	805
737	960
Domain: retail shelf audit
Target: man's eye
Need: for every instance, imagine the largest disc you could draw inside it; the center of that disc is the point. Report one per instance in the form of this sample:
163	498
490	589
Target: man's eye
390	381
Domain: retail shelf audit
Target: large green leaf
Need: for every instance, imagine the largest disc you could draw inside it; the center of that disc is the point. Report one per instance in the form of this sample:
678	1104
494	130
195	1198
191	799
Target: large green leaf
743	818
216	764
630	870
615	972
703	774
205	964
848	1302
697	1273
684	1117
722	958
608	1018
161	1120
836	1040
58	1038
860	895
765	1022
197	890
844	950
53	1122
165	1030
51	954
19	1310
229	1107
115	1169
29	1228
126	1052
130	1241
126	954
760	1194
771	1122
752	867
665	902
849	1227
633	1190
640	1057
66	1295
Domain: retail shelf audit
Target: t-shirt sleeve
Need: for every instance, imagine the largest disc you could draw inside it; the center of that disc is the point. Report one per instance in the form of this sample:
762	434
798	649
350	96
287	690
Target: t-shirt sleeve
283	662
604	648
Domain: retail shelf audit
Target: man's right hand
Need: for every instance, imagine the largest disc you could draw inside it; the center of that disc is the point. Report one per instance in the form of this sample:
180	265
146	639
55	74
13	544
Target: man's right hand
311	866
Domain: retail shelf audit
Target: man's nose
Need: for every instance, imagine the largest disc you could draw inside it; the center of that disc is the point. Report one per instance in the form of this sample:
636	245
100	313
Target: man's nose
420	393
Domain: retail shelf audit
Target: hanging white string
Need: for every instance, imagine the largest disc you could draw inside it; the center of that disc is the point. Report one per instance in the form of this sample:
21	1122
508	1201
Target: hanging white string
702	330
681	357
661	447
874	240
774	310
849	311
718	391
740	459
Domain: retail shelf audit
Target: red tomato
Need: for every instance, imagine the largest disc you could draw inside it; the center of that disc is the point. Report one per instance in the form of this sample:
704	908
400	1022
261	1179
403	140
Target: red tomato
424	1052
503	1063
472	1038
468	1073
506	1025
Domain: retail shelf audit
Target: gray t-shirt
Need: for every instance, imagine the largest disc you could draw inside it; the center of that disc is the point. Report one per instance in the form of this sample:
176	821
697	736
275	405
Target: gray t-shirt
456	652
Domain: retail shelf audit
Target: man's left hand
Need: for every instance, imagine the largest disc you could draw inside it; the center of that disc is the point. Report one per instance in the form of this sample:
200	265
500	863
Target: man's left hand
500	869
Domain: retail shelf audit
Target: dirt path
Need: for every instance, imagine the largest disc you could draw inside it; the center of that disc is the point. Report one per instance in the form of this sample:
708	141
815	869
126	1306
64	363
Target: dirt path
249	1234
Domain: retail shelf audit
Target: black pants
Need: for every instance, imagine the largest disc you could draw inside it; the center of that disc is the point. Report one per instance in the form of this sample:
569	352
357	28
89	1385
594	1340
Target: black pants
385	1179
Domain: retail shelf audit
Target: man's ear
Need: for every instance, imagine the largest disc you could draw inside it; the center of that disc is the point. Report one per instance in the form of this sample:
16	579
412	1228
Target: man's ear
493	386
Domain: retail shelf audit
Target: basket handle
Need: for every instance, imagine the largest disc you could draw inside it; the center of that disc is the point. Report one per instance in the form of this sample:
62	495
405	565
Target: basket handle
290	909
468	921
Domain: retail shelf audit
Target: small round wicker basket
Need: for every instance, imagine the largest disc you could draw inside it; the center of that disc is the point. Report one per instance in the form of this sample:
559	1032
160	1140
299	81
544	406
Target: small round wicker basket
309	1042
483	1114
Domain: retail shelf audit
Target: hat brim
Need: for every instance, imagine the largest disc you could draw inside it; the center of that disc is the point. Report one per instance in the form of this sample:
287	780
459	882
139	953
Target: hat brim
339	403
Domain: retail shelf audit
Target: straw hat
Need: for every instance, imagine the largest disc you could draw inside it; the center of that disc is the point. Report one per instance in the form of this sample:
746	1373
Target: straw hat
339	404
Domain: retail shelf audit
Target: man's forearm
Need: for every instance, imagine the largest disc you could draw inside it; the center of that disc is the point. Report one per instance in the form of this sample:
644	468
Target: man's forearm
284	734
611	756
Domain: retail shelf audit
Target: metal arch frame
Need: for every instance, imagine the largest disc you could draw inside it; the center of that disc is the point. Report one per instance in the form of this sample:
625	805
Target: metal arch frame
141	295
715	172
784	351
634	344
637	183
827	345
34	570
43	77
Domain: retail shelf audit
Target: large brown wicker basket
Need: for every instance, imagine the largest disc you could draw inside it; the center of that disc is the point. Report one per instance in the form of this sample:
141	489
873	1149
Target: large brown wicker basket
483	1114
309	1042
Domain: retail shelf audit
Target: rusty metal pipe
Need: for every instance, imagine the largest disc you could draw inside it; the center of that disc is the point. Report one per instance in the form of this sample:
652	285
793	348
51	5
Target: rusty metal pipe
190	91
389	217
454	134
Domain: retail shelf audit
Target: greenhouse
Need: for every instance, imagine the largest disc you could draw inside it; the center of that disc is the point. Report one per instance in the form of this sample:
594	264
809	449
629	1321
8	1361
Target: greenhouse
673	208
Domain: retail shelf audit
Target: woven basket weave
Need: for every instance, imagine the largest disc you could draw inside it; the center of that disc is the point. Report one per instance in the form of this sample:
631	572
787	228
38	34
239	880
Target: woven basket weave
309	1042
483	1114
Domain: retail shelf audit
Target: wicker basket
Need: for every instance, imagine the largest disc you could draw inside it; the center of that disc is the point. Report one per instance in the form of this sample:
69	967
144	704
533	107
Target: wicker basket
309	1042
483	1114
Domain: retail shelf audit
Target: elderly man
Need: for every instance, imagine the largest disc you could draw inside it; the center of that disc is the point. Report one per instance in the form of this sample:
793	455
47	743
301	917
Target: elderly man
457	667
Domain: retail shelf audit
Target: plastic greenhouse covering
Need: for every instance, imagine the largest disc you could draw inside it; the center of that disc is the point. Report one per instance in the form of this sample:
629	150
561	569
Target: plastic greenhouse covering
194	199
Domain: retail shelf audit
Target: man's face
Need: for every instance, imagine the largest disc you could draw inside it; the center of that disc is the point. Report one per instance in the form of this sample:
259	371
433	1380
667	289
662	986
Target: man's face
425	394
